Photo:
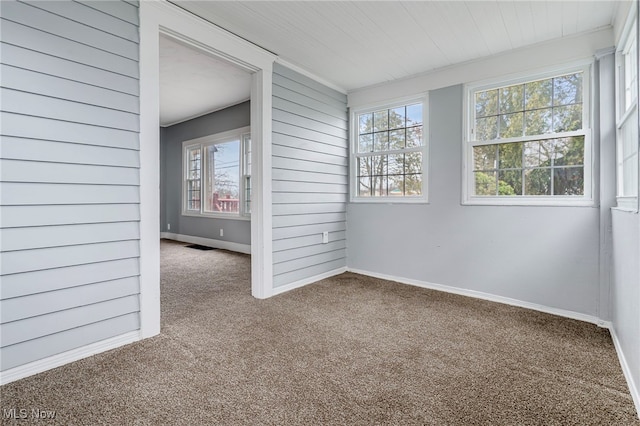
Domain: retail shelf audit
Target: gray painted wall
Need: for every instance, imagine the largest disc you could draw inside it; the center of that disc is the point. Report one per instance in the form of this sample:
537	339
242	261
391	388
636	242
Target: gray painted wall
69	176
542	255
171	138
310	177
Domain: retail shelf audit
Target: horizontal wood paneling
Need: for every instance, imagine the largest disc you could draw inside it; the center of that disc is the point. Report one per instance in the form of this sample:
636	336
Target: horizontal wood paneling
301	176
303	209
302	230
309	145
308	101
304	154
45	303
307	219
288	186
292	198
33	350
64	152
59	67
283	128
63	131
305	241
15	262
16	194
80	13
304	89
40	41
25	216
310	271
25	14
310	113
58	109
36	171
286	163
302	252
69	176
61	88
307	123
67	235
305	262
24	284
55	322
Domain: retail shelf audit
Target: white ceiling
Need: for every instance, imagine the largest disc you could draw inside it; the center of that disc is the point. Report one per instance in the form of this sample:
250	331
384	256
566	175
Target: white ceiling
193	83
355	44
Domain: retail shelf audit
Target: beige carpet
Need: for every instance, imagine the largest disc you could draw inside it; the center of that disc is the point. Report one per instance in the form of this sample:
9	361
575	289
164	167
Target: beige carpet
348	350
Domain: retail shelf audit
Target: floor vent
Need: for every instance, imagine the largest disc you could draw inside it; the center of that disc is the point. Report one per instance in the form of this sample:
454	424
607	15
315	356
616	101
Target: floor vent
199	247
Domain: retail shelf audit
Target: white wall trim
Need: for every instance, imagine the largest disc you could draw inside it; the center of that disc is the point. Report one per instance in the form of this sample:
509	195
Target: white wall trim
485	296
58	360
160	16
634	388
311	75
307	281
209	242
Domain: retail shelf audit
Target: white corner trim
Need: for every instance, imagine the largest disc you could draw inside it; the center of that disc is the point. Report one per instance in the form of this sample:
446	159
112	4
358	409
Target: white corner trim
634	388
209	242
484	296
307	281
311	75
58	360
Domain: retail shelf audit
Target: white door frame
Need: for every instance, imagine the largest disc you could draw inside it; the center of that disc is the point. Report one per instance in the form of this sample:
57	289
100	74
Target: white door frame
156	17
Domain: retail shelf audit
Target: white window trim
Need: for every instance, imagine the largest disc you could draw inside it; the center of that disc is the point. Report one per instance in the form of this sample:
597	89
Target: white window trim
587	118
202	142
353	176
626	202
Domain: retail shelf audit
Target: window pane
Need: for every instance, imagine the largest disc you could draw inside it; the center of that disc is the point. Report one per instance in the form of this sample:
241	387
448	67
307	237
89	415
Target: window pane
364	186
538	94
364	166
567	89
538	122
396	139
396	118
511	99
569	151
537	182
510	182
484	157
413	163
379	165
381	120
381	141
487	128
568	181
485	183
413	184
396	186
538	153
511	125
414	137
486	103
365	143
567	118
396	164
414	115
365	123
223	177
510	155
630	176
379	186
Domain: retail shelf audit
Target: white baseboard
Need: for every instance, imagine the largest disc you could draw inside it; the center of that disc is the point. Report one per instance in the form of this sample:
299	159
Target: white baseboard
484	296
633	387
307	281
209	242
58	360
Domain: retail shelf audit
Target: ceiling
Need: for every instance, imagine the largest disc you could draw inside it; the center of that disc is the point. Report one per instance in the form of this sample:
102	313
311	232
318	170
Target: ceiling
356	44
193	83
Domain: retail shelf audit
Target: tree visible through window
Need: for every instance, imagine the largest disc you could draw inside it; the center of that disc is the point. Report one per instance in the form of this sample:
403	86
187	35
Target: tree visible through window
529	139
389	152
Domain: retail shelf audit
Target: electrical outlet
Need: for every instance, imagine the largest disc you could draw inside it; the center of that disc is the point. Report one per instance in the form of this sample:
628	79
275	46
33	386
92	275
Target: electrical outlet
221	232
325	237
168	227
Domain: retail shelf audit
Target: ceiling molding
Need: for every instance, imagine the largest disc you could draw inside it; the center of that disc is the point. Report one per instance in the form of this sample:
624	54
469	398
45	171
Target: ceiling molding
311	75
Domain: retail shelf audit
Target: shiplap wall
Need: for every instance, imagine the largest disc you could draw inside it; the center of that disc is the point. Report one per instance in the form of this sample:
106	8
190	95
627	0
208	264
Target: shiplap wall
69	172
310	177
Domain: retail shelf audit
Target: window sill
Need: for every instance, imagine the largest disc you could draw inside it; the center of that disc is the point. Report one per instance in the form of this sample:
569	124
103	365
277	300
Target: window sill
528	202
627	204
217	216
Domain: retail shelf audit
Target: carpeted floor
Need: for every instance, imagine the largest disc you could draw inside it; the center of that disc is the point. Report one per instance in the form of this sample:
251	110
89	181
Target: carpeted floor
350	350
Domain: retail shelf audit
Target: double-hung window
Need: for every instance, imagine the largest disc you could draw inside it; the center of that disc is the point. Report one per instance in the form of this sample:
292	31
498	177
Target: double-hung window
528	140
627	117
217	174
389	152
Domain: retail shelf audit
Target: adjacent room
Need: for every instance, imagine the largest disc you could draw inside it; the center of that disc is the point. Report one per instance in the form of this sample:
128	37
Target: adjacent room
402	212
